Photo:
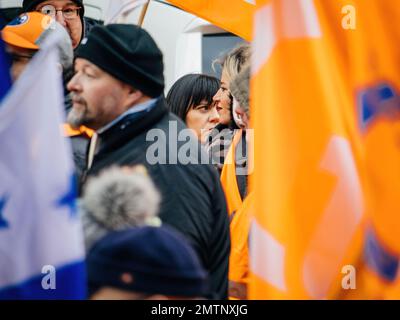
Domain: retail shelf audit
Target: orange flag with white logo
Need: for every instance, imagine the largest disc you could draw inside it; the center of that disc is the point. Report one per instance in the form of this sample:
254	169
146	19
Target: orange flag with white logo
324	95
235	16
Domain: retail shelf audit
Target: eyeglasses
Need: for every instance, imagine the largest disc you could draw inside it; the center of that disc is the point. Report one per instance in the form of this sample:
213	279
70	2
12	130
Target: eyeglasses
69	13
16	57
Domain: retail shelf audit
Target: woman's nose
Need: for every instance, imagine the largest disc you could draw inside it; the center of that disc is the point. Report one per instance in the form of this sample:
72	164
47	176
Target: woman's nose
214	115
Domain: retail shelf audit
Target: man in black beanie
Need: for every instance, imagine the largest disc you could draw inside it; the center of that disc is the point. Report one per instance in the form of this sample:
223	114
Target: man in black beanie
69	13
118	92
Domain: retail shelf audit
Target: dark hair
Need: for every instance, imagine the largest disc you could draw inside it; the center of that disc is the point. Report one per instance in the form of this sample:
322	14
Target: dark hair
189	91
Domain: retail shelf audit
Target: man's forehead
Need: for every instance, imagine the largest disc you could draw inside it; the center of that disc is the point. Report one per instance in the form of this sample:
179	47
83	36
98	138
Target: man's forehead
56	3
83	63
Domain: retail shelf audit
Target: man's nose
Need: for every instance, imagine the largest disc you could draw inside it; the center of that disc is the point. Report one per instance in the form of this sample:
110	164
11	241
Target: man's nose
60	18
74	85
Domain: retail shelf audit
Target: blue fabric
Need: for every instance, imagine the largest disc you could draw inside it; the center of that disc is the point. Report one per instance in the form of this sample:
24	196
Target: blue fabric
68	281
384	263
5	78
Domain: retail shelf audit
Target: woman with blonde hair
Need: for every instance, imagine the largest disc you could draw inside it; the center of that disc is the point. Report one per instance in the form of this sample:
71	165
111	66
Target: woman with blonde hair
221	137
232	63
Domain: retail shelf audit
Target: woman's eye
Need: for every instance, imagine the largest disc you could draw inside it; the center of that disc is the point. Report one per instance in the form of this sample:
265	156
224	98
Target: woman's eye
224	89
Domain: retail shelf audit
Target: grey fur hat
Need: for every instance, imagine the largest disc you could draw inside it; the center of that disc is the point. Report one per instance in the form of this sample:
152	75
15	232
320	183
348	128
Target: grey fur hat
240	89
118	199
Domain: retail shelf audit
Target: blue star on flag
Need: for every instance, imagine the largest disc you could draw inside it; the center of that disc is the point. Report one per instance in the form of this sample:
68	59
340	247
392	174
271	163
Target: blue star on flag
69	198
370	103
384	263
3	221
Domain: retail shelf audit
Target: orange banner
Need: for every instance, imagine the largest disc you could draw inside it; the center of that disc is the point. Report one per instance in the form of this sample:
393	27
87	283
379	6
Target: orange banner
327	154
235	16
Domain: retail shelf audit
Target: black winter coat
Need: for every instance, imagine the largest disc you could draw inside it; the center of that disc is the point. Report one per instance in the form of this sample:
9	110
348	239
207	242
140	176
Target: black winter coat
192	197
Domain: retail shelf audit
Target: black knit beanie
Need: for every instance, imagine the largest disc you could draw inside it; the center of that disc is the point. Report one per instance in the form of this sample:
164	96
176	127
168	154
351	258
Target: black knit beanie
128	53
30	5
152	260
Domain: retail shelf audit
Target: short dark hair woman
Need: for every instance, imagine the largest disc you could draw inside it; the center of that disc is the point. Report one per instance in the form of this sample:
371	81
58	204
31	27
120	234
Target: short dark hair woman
191	99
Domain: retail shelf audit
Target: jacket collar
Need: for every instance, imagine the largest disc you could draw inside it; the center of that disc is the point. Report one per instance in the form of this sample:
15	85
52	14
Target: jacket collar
131	126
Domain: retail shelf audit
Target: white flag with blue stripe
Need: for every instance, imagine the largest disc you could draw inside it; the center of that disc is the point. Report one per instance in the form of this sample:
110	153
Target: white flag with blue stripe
41	242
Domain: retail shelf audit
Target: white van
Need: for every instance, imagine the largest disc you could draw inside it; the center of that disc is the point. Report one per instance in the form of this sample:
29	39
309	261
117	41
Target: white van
189	44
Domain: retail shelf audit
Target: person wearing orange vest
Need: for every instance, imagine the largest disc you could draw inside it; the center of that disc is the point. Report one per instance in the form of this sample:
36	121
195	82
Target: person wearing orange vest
234	175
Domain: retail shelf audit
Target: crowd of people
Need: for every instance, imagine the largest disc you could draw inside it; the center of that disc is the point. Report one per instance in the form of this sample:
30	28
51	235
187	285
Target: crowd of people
176	228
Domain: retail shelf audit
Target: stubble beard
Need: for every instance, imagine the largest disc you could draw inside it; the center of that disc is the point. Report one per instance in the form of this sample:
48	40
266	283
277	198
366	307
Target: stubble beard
77	117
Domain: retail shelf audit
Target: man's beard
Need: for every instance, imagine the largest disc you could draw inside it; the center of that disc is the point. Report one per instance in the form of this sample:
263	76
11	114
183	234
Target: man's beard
78	117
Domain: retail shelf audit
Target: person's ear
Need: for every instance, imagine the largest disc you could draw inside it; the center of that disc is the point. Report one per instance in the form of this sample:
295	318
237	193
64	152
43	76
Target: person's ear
134	96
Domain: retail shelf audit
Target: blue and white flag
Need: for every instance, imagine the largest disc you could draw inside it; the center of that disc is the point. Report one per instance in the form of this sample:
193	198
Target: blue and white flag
5	78
41	241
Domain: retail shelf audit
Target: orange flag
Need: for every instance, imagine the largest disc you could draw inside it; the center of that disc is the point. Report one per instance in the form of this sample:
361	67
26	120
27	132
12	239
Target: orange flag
235	16
325	75
372	66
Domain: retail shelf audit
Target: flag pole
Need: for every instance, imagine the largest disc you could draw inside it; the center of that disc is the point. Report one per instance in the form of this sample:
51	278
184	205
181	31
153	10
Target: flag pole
143	13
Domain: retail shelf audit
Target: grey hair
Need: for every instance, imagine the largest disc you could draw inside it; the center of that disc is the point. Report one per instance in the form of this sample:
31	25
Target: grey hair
118	199
240	88
233	62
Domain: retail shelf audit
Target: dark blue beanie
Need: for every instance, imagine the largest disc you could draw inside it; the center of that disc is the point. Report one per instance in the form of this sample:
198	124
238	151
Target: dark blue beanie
157	261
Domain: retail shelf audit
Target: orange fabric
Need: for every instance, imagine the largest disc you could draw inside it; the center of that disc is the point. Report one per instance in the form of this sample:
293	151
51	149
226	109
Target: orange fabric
370	286
27	30
240	214
239	256
69	132
383	165
321	173
235	16
228	177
